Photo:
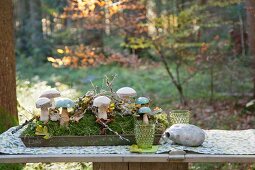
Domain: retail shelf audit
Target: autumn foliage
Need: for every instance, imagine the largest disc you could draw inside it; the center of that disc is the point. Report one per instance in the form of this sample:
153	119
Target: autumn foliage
82	56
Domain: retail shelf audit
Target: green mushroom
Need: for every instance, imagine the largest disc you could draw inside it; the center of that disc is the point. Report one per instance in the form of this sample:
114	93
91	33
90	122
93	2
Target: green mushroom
142	101
64	103
145	111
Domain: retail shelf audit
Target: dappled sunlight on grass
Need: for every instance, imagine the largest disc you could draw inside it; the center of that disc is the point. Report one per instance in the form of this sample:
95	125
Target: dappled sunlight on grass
55	166
28	92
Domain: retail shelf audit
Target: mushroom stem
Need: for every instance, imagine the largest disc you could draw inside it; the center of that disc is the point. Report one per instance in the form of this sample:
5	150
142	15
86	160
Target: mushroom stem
52	101
145	119
64	120
126	99
102	112
44	114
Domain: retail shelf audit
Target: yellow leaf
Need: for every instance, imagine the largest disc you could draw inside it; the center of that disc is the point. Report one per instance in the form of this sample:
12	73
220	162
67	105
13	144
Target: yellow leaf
51	59
112	105
92	7
60	51
134	148
45	129
47	136
86	100
39	134
39	129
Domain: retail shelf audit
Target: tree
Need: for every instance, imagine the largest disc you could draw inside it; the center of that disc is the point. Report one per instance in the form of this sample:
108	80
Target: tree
22	35
250	7
36	28
8	101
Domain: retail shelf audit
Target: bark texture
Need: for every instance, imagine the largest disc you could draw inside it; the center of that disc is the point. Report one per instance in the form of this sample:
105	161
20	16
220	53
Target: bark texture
8	101
250	7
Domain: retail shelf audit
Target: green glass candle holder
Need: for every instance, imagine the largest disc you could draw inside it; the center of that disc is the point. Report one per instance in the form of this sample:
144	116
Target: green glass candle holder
144	135
179	116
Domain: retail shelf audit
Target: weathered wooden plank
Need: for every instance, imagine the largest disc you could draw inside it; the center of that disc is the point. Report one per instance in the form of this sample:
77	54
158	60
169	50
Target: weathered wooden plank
110	166
140	166
126	158
219	158
158	166
134	166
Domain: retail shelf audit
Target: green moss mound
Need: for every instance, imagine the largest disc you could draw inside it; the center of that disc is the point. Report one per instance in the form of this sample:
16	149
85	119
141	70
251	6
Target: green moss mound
88	126
85	127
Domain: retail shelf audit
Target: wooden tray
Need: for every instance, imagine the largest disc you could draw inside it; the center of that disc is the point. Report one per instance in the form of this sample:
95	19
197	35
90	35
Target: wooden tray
95	140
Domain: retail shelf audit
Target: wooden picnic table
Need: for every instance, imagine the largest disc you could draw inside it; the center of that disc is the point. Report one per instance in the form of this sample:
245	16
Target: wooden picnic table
130	161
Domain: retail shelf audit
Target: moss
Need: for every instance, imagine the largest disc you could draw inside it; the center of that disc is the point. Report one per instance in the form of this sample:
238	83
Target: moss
7	120
86	126
122	125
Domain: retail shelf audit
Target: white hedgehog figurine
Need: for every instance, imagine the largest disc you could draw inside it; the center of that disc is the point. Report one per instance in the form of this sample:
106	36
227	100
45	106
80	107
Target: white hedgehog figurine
184	134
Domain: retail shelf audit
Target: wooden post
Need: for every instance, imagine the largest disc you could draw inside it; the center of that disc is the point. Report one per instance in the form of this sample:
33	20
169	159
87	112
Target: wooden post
140	166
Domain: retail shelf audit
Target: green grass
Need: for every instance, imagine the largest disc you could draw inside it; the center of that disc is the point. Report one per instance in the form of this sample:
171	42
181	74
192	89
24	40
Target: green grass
11	166
147	81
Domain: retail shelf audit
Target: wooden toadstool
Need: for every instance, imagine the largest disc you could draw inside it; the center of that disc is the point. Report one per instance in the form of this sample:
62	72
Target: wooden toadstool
126	93
43	103
102	103
142	101
145	111
51	94
64	103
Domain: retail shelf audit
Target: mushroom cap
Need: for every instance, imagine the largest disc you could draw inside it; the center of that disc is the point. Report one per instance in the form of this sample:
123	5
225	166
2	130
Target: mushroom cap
52	93
126	92
144	110
64	102
101	100
142	100
43	102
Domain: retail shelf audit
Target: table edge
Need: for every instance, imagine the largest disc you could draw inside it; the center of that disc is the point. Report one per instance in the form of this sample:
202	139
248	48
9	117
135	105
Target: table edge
126	158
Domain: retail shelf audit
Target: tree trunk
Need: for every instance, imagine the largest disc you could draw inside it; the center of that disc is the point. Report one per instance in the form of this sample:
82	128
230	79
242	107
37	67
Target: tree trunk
211	82
22	26
173	80
36	31
8	101
250	6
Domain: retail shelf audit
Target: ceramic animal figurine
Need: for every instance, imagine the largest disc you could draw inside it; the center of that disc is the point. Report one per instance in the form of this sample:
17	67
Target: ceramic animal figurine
184	134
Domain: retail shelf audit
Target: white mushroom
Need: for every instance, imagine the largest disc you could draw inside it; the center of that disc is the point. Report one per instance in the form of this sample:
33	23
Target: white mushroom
44	104
102	102
126	93
51	94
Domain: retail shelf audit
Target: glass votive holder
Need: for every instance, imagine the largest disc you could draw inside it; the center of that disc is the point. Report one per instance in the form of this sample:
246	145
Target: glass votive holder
144	135
179	116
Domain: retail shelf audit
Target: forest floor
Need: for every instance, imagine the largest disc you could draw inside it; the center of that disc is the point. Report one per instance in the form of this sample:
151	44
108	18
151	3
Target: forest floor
223	112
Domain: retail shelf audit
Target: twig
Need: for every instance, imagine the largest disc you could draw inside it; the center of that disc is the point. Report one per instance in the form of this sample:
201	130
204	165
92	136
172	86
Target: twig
116	133
94	87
